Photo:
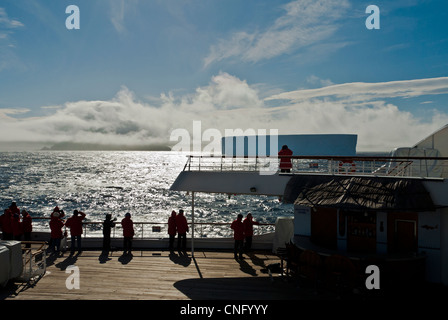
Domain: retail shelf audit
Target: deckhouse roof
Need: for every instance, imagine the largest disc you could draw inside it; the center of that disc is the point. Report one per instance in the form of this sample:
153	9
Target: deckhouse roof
359	193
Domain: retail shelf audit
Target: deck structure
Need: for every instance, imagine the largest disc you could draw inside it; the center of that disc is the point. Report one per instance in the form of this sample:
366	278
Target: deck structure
157	275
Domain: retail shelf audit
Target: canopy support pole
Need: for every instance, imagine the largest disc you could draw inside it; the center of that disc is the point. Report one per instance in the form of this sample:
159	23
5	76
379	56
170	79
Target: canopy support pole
192	224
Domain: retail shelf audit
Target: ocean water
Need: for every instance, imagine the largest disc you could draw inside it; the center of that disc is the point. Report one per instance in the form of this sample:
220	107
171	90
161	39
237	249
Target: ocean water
100	182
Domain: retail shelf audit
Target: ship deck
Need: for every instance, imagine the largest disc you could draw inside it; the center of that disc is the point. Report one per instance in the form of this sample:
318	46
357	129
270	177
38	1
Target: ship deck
158	275
175	283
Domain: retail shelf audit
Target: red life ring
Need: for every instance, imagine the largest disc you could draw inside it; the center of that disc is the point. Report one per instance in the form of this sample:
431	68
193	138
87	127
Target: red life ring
343	168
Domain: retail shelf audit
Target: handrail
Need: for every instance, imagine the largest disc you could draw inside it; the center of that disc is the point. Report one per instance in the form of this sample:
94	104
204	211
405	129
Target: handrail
416	166
25	251
323	157
142	223
32	268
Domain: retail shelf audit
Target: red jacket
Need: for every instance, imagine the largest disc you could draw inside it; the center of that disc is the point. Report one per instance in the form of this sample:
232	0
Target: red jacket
238	229
75	223
249	226
27	223
181	223
5	221
56	225
172	224
285	162
128	227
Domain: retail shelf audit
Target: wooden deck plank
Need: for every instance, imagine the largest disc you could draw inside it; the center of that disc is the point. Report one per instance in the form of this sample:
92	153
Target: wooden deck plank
158	275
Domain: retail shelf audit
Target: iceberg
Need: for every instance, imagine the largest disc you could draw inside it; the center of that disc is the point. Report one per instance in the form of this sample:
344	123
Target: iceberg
300	144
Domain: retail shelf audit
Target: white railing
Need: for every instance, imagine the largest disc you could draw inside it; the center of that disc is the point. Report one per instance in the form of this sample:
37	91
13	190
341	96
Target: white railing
159	229
34	261
360	165
201	229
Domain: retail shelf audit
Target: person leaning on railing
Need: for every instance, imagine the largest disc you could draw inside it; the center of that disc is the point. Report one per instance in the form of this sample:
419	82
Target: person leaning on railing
108	224
249	231
285	159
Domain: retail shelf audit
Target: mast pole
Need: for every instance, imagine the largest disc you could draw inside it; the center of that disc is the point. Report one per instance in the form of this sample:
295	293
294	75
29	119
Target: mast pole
192	224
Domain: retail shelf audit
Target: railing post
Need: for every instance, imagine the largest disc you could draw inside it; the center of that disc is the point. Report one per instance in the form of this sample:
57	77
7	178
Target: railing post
31	266
192	224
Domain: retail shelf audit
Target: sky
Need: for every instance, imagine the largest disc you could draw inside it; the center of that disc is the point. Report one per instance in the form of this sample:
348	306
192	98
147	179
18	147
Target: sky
135	71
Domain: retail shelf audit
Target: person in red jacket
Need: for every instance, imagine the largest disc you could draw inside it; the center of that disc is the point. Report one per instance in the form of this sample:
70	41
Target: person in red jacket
249	231
27	225
56	225
128	233
172	229
75	225
238	235
6	223
285	159
182	229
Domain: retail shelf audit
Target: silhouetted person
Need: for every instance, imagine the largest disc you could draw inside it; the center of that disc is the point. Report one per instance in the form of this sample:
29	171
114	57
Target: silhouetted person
128	233
238	235
108	224
6	224
182	229
249	231
172	229
27	224
285	159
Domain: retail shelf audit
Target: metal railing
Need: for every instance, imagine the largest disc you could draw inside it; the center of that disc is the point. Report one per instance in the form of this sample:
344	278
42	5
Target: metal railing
159	229
34	261
431	167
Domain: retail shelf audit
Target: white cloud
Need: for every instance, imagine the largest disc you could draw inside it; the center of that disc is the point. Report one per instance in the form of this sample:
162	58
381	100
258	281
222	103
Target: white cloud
117	15
125	120
228	92
8	58
361	108
118	11
361	91
6	22
5	113
304	23
315	80
231	103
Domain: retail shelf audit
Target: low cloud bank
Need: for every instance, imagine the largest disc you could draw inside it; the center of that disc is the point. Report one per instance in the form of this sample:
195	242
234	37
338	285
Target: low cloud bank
230	103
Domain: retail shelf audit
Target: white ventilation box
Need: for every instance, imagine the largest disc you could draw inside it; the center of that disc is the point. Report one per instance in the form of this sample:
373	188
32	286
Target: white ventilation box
15	257
4	265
